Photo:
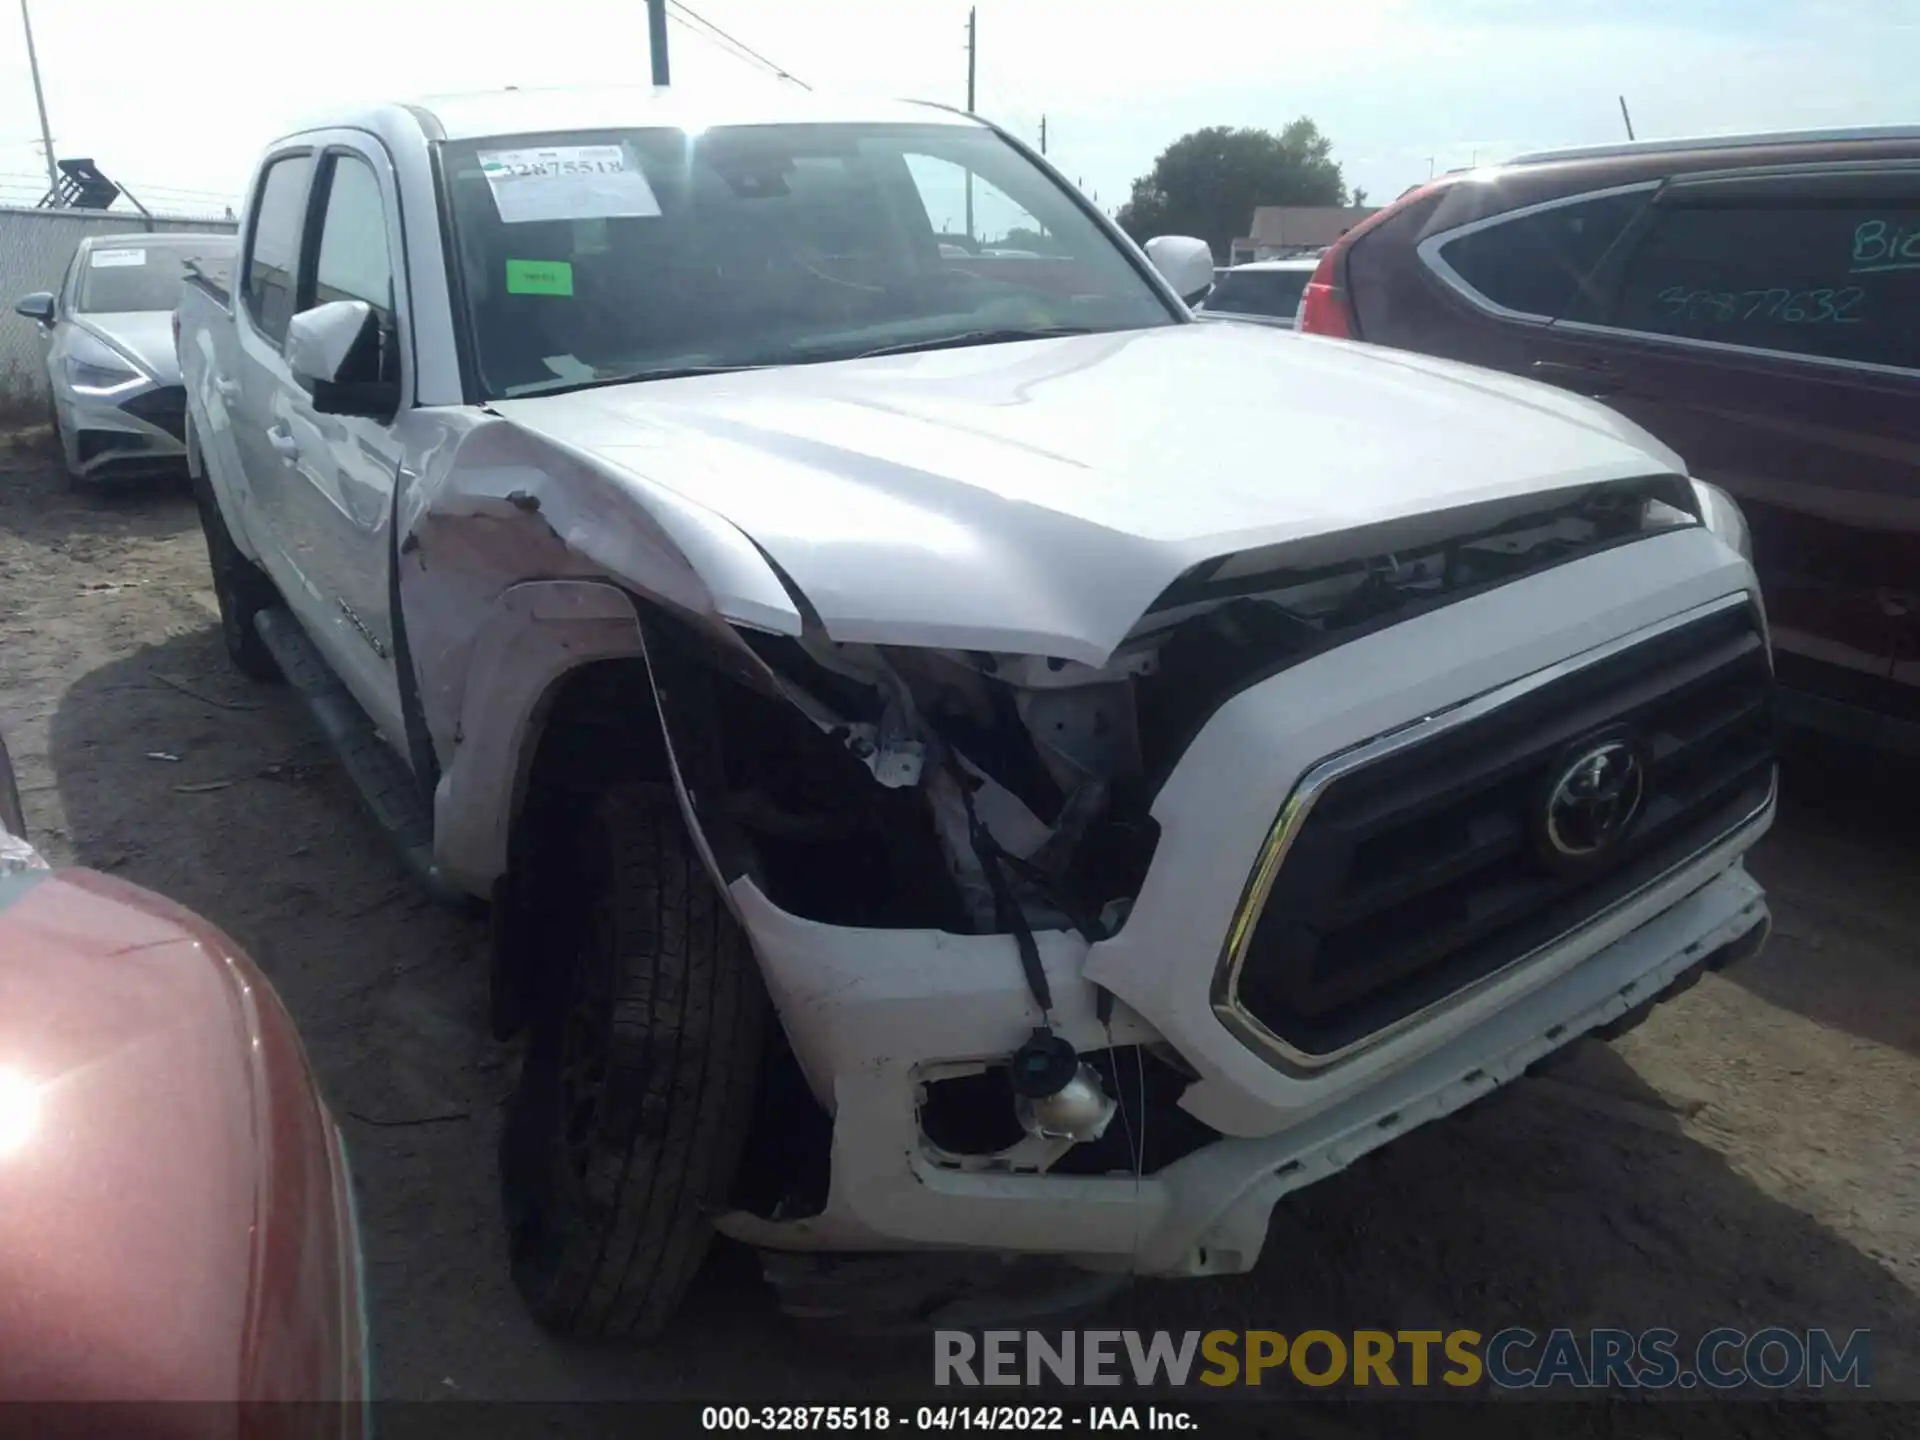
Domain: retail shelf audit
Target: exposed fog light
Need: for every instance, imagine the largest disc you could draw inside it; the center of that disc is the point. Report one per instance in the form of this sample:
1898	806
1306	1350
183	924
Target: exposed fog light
1056	1096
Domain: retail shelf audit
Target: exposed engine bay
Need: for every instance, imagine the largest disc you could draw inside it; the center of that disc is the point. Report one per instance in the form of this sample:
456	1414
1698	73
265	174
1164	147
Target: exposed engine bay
1011	792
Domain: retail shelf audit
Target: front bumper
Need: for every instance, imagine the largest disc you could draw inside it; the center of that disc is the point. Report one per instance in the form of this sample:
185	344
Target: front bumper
129	433
1203	1215
872	1015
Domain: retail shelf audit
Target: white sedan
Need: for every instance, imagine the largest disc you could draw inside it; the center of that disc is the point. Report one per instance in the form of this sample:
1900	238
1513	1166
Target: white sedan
118	407
1265	292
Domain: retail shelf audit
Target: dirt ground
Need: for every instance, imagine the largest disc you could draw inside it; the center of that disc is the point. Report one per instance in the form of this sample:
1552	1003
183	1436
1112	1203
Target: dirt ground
1747	1157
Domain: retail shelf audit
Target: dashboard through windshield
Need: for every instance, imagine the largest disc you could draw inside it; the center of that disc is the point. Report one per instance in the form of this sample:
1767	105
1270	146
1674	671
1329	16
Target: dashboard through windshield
599	256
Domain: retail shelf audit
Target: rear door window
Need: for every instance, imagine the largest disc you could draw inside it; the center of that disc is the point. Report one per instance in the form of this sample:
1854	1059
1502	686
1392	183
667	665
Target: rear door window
272	268
1796	271
1258	292
1536	262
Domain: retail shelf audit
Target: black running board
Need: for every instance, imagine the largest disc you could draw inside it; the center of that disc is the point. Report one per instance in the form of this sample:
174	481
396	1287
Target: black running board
388	787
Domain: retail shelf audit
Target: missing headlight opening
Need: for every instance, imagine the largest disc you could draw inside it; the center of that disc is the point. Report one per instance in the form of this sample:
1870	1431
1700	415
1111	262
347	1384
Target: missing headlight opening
864	807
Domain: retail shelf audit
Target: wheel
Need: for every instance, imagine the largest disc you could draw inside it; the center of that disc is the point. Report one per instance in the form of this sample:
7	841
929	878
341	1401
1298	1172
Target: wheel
636	1092
241	587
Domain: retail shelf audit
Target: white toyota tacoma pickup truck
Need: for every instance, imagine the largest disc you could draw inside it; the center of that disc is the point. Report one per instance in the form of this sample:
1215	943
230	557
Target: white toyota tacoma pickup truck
957	756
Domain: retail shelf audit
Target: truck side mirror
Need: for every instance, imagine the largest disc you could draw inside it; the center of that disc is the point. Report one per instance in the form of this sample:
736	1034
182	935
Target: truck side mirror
1184	263
37	306
333	351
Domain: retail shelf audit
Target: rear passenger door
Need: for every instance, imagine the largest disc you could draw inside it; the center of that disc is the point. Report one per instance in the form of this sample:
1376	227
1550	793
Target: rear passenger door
264	296
335	515
1766	324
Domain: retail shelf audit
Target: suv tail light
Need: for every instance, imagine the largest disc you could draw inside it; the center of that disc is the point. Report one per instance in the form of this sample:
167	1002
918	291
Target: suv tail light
1325	306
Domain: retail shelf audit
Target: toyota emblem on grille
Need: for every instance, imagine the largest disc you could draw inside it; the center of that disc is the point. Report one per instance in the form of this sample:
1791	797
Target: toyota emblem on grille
1595	800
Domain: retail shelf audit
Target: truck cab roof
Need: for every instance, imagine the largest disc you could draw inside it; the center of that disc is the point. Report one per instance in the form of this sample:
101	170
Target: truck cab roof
490	113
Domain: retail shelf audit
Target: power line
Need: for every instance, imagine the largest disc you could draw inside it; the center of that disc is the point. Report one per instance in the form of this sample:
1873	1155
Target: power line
690	18
739	46
170	193
724	46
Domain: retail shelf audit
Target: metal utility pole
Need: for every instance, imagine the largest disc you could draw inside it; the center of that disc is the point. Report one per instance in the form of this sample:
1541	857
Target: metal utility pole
1043	134
973	16
40	99
656	38
1626	117
972	35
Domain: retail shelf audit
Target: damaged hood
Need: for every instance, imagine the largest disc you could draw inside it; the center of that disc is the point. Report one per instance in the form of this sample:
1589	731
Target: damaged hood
1037	497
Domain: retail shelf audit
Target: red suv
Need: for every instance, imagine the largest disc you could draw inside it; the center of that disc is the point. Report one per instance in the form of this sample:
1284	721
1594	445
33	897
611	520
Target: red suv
1754	301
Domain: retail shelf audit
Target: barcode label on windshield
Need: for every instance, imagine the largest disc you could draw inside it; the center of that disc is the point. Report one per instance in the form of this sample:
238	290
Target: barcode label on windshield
567	182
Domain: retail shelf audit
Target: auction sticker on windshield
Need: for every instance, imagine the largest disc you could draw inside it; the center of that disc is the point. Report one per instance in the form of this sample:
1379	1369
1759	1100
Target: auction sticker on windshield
567	182
539	277
109	259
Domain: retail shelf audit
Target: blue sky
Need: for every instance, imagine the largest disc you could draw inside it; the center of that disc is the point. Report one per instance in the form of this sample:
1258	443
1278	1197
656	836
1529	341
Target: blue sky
177	96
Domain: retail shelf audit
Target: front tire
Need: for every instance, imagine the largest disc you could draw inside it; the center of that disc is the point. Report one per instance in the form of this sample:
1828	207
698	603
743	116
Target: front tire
636	1093
241	587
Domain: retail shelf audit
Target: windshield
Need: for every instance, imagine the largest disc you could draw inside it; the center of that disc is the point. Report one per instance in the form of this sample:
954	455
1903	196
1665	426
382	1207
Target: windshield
1258	292
614	254
140	276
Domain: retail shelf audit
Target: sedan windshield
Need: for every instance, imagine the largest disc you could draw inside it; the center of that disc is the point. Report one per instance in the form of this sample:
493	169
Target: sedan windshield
612	255
140	274
1258	292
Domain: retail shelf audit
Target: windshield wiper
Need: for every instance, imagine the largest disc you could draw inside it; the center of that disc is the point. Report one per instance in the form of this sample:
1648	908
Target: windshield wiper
975	337
599	382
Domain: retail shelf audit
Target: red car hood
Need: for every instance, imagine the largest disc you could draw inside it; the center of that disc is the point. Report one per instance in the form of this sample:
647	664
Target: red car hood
176	1223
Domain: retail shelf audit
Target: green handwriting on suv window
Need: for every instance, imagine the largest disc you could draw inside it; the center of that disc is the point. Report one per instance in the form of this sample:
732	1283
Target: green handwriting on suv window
1883	245
1795	307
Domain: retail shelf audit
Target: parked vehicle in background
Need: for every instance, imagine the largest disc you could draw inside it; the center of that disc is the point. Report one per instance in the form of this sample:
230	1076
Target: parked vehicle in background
1261	292
938	786
179	1220
1755	302
117	407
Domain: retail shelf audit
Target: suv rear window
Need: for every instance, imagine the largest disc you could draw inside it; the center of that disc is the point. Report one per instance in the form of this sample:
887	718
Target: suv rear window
1257	292
1834	280
1535	263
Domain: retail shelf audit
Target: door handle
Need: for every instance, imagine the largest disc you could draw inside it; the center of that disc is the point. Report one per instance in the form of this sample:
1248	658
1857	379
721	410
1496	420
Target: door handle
1587	379
227	389
283	443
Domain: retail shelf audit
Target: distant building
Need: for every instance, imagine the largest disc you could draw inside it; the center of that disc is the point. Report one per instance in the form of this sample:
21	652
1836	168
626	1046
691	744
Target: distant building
1279	231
